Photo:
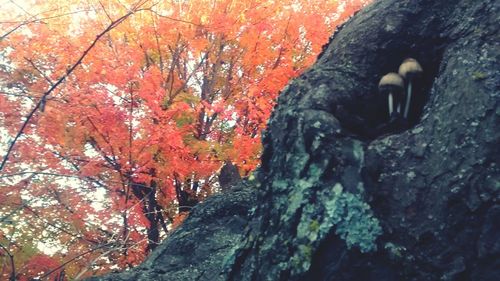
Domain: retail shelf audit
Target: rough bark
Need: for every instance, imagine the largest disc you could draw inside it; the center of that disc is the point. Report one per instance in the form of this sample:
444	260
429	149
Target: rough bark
198	249
345	194
229	176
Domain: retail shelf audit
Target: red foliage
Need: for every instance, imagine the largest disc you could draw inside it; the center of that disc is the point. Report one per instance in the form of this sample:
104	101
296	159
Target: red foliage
145	120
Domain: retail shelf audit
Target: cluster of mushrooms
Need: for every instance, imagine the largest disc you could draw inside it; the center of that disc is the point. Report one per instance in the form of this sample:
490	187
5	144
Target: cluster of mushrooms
393	85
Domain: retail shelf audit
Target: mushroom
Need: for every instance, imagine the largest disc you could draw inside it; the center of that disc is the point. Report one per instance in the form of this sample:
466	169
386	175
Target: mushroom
392	84
409	70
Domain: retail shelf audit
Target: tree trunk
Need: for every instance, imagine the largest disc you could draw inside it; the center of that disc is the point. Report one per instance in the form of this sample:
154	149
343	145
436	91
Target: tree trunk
344	193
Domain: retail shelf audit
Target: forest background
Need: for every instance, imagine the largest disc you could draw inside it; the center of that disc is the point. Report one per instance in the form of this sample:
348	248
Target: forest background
116	117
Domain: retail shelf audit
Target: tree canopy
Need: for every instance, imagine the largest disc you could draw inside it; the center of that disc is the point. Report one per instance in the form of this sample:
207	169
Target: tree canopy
117	115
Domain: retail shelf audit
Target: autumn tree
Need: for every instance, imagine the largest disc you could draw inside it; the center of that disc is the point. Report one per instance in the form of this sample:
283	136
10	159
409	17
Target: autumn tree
117	115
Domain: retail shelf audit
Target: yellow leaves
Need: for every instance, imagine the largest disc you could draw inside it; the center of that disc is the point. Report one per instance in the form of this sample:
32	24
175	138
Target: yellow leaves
204	19
242	17
188	97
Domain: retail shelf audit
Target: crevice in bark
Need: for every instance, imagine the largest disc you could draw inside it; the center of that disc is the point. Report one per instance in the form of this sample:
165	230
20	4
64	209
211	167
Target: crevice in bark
372	110
364	112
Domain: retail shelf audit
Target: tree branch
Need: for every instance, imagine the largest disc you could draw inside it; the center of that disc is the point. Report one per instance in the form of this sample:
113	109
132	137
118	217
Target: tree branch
68	72
12	264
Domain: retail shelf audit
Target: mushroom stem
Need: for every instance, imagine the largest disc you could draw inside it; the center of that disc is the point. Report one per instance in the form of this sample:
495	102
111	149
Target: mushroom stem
392	85
390	104
408	98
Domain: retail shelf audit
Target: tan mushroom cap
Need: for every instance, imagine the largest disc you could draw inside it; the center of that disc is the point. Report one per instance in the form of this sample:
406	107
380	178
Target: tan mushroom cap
409	67
391	79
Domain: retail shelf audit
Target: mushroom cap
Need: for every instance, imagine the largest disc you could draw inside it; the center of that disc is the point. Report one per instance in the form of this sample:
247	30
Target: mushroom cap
409	68
391	80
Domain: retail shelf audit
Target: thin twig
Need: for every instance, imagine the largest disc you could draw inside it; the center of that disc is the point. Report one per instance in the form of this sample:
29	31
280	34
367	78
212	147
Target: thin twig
68	72
27	22
40	71
74	258
35	173
12	264
175	19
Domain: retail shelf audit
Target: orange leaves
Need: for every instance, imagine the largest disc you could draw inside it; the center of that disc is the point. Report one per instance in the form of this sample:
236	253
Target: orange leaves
161	101
247	153
178	219
37	264
91	168
137	217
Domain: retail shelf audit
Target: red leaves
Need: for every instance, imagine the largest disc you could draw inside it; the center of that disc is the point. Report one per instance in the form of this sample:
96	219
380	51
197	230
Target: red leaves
159	104
178	219
36	265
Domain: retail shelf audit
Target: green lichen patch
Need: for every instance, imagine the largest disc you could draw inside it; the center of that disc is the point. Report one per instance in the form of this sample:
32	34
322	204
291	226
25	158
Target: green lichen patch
355	222
478	75
346	213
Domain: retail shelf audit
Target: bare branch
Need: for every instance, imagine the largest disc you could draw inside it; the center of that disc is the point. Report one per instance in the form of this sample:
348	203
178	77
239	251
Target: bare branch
111	245
35	173
68	72
174	19
35	20
40	71
12	264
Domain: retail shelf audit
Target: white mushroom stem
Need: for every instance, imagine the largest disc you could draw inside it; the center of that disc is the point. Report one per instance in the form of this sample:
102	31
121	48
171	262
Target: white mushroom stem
390	104
408	98
391	84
